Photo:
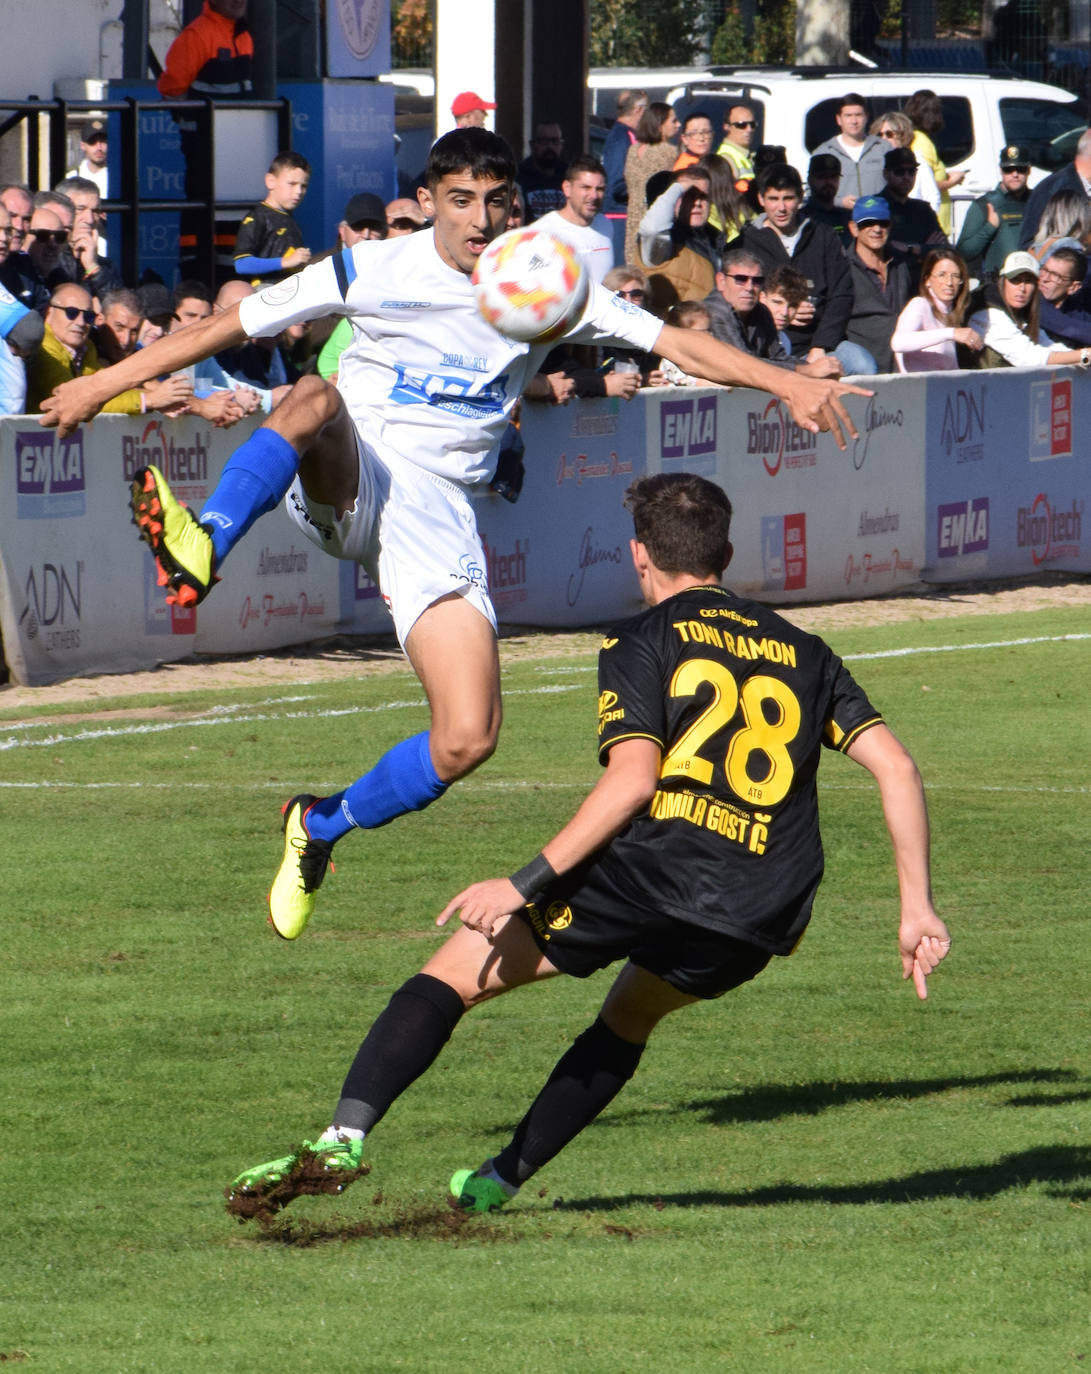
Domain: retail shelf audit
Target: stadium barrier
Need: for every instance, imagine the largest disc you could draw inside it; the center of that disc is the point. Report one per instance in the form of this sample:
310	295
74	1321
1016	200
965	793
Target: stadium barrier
954	476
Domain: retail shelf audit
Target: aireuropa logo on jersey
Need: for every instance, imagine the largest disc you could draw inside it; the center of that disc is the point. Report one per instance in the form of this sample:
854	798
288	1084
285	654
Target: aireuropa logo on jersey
181	464
962	527
687	433
784	552
49	475
1050	420
1050	532
774	437
962	430
52	605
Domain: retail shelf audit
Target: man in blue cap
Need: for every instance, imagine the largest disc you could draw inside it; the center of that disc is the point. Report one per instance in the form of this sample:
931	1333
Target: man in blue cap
881	284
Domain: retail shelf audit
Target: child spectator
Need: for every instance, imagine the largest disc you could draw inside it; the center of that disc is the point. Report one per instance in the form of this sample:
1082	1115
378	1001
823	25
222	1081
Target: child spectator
684	315
270	243
785	291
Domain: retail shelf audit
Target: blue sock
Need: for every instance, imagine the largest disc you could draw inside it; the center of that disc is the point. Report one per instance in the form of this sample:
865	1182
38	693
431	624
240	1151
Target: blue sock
254	481
403	780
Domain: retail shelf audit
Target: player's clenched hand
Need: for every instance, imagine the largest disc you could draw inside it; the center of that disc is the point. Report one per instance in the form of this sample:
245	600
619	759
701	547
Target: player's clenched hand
924	942
481	905
816	405
71	404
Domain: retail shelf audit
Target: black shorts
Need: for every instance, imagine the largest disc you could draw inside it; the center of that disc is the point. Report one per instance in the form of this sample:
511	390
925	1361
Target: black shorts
583	923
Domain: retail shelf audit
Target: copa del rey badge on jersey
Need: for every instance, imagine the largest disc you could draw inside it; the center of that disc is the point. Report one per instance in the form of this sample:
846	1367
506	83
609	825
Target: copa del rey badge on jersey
530	285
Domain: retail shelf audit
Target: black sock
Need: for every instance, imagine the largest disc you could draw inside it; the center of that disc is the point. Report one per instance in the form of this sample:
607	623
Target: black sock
585	1080
403	1041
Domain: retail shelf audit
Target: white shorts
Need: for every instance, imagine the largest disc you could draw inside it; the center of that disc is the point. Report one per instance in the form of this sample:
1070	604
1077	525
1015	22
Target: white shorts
414	533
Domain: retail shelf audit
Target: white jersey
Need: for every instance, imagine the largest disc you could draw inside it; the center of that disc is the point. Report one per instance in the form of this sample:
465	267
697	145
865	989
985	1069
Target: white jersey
426	379
594	249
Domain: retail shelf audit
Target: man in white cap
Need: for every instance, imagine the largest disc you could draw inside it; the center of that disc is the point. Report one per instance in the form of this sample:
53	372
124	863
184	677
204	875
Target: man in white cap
468	109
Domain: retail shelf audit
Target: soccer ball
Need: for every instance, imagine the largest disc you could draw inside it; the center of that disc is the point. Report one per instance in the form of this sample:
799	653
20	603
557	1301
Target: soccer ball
530	285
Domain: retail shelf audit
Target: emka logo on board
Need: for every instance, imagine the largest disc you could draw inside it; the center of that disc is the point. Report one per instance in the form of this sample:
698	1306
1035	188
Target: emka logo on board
52	605
1049	532
49	475
784	552
962	527
775	437
687	429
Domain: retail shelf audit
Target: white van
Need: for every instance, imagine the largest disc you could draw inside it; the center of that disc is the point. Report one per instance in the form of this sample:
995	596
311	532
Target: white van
981	114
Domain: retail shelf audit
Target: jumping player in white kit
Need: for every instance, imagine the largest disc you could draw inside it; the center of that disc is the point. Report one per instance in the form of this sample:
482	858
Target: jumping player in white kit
378	469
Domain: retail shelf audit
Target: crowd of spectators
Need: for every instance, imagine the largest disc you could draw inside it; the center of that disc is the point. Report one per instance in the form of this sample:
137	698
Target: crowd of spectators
847	267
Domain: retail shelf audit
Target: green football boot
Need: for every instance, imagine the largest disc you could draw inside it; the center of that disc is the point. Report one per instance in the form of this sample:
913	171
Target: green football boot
473	1193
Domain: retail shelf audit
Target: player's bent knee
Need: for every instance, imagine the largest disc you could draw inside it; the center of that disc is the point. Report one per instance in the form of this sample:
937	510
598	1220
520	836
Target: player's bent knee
458	752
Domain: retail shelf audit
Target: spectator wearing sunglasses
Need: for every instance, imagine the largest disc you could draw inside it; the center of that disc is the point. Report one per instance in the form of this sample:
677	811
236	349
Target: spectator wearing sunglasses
780	237
738	317
882	285
40	262
994	222
67	351
740	131
859	153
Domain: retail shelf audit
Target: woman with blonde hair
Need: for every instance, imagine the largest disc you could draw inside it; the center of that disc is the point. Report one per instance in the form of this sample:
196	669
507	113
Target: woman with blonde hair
1067	215
930	326
652	152
897	129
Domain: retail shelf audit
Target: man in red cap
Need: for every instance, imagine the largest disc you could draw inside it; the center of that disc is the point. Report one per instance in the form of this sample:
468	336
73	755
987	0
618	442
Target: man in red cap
469	109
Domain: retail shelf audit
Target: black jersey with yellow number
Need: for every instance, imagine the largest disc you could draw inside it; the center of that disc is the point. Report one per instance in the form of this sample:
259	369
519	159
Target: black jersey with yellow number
740	702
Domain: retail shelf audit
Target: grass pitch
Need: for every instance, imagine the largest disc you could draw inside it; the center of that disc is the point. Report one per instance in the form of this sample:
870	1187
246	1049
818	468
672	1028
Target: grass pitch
817	1173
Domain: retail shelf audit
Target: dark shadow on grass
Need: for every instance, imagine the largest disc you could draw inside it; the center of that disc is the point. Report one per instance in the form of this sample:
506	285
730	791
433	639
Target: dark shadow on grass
1057	1165
772	1101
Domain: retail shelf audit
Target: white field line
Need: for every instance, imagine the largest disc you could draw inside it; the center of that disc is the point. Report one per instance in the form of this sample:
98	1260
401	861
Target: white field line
215	717
228	715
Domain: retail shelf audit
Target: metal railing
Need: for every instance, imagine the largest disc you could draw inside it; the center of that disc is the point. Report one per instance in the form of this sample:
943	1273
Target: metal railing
202	208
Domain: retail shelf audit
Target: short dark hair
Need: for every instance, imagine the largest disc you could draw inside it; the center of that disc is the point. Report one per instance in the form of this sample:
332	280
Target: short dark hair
289	161
479	152
687	310
584	163
787	282
851	98
684	522
780	176
191	290
696	114
1075	259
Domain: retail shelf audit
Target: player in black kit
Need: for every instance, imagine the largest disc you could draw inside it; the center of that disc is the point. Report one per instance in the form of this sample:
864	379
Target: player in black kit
696	857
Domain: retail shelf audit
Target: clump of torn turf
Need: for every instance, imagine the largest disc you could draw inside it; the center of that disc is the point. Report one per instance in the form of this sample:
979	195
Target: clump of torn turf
306	1178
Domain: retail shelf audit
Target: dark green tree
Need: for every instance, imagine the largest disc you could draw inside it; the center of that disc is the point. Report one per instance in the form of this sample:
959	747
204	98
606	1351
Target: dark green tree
646	33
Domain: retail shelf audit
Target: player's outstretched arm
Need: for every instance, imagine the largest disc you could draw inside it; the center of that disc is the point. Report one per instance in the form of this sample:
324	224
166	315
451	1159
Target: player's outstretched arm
814	402
625	788
923	938
79	400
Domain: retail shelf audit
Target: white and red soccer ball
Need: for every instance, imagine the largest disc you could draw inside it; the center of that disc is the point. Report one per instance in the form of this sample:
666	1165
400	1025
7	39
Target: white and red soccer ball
530	285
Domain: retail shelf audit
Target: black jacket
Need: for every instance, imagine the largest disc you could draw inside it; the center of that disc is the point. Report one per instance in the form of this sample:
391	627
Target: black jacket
875	313
820	258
